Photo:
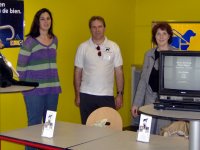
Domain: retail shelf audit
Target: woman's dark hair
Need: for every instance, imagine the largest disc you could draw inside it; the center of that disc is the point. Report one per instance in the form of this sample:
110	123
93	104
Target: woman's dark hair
93	18
34	31
162	26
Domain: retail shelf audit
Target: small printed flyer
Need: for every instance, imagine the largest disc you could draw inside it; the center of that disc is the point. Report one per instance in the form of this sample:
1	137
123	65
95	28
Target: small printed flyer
49	125
144	128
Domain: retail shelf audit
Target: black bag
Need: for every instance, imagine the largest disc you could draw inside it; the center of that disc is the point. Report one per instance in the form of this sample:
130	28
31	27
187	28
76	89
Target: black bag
6	73
6	76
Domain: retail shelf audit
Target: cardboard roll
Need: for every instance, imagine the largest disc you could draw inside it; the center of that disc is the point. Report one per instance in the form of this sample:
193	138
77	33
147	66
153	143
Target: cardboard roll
105	117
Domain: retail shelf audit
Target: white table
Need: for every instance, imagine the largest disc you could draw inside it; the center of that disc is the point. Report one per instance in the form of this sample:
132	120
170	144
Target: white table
192	117
126	140
66	135
15	88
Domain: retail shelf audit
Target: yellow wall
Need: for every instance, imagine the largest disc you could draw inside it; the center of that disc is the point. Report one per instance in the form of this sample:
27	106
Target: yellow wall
147	11
71	27
128	23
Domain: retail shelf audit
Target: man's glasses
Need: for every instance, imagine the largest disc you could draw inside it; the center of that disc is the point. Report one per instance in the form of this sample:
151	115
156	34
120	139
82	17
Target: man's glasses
98	49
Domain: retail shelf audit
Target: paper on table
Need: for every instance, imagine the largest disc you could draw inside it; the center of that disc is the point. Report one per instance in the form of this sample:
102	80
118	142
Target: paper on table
48	128
144	128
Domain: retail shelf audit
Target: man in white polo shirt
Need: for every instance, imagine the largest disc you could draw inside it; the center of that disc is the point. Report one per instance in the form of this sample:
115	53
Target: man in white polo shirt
97	62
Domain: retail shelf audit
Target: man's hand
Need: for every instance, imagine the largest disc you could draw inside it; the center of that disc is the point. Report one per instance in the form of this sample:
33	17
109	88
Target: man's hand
77	101
119	101
77	84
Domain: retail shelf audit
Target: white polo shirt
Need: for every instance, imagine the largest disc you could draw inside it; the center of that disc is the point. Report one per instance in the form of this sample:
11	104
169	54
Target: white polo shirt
98	71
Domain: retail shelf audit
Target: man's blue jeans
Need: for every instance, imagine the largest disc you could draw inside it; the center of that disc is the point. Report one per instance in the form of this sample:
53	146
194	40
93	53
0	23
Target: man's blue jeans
37	106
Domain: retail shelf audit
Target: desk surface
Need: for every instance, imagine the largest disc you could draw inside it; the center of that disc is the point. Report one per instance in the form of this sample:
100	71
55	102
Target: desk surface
193	117
65	134
15	88
180	115
127	140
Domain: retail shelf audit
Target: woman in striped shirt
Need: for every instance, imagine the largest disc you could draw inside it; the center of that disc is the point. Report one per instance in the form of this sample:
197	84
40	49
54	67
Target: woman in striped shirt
37	63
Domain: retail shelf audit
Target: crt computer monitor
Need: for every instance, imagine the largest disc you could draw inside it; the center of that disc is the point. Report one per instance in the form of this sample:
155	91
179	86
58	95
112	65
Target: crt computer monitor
179	76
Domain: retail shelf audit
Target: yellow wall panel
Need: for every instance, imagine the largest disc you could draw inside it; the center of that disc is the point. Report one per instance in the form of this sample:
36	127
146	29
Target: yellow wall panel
71	27
128	23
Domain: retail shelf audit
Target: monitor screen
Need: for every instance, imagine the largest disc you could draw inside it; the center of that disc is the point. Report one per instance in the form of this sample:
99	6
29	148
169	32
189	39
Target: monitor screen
179	73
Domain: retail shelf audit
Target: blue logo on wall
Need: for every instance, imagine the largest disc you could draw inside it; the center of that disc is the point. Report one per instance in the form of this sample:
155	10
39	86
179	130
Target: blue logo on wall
182	41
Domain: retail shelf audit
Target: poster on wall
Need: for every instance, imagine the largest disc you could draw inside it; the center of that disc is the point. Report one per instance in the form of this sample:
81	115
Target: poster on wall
11	22
186	35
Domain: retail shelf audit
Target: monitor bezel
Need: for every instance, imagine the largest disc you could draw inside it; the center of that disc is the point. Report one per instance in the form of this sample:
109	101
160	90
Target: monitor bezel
175	92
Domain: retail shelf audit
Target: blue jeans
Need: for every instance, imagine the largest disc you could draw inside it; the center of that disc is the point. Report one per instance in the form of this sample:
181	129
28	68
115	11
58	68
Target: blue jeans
37	106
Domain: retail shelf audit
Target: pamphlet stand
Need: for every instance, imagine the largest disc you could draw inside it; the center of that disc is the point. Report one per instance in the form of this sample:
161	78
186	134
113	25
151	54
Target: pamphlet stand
193	117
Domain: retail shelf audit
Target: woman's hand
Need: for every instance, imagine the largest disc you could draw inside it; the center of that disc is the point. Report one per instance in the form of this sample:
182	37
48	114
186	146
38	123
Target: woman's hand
134	111
1	45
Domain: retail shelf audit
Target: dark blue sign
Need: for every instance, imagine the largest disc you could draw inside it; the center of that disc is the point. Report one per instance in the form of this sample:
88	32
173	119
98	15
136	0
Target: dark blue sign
11	23
182	41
